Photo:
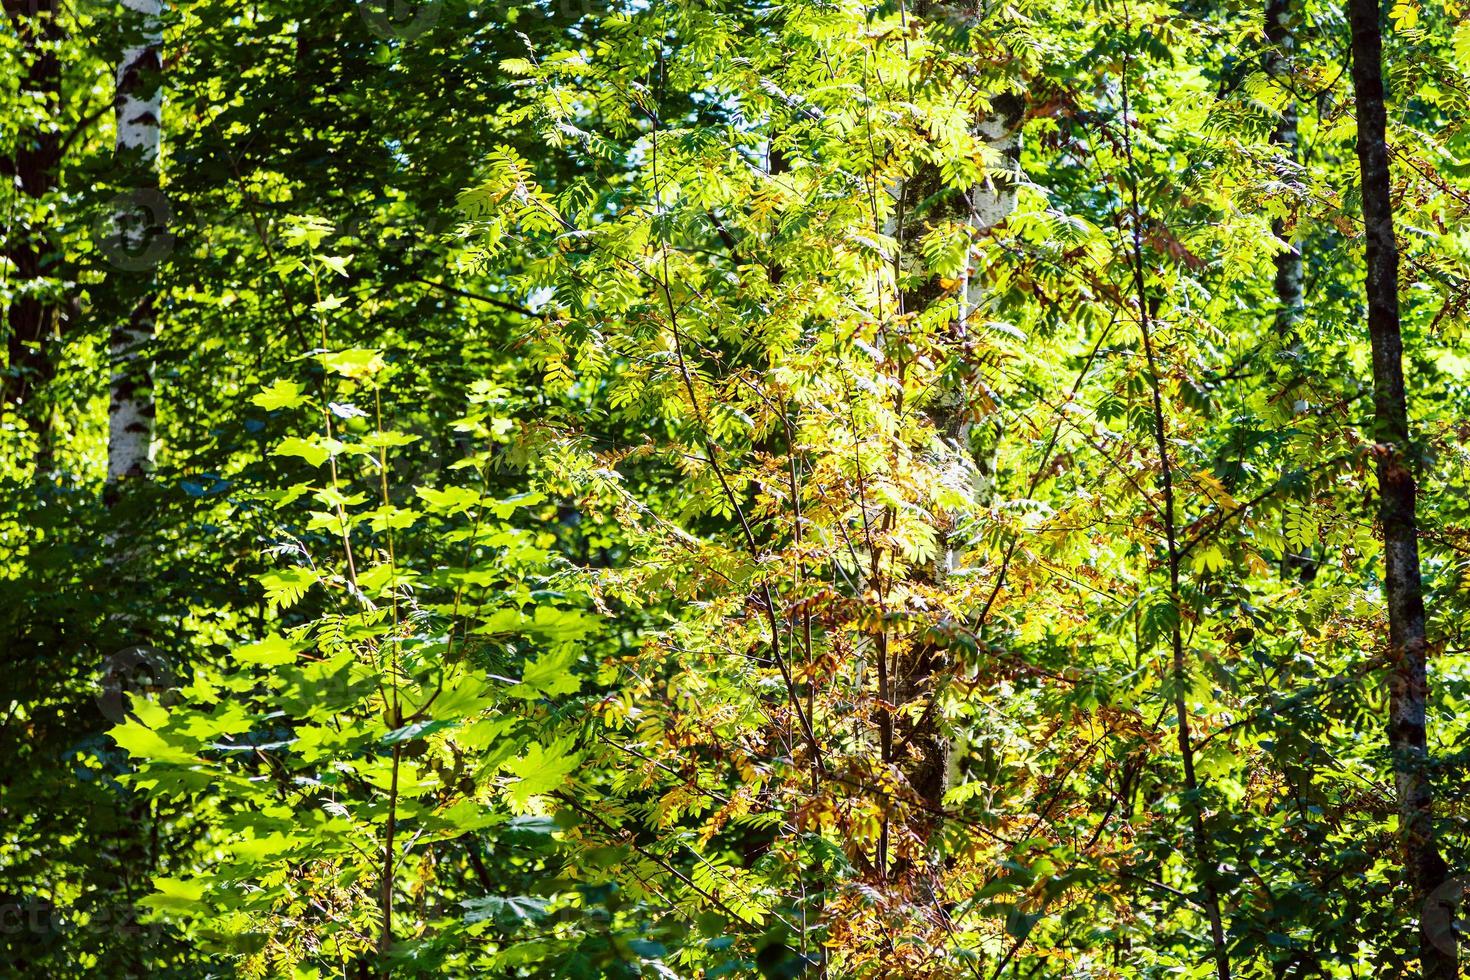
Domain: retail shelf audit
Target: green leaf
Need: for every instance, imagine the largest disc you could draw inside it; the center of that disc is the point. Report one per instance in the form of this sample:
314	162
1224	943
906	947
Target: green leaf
450	500
504	508
177	896
1301	529
285	587
541	770
564	625
549	674
1209	559
391	518
273	651
144	743
337	263
359	362
1461	44
388	440
315	451
281	394
420	729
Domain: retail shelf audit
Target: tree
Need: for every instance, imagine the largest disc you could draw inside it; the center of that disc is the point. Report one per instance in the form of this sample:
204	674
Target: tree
1408	646
929	208
720	489
132	409
1281	42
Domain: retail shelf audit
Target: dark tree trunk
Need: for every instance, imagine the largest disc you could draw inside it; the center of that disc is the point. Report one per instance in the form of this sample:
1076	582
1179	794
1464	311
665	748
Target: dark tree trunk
1408	677
32	318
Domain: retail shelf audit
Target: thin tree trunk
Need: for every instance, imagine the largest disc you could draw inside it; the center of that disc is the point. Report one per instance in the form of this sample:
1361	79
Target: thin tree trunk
1290	299
33	320
139	105
1204	849
1203	844
1281	37
1408	684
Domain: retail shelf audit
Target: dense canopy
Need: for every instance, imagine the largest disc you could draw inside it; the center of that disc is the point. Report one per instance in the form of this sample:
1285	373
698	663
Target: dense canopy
716	488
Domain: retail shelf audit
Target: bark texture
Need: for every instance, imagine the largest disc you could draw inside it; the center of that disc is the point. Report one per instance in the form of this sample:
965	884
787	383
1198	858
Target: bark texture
1281	41
139	107
33	319
1408	684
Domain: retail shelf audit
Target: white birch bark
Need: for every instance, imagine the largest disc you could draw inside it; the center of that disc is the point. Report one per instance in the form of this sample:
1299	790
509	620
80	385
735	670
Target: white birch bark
139	108
990	202
993	201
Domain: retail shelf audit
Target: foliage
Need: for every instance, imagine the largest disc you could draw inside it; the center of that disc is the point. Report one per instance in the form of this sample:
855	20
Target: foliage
621	511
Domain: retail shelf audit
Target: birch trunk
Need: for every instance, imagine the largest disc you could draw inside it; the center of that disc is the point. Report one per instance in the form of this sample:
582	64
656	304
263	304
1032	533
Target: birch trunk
139	105
1408	683
33	322
922	749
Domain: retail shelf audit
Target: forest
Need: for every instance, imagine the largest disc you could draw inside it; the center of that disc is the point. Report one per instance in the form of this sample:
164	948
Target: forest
735	488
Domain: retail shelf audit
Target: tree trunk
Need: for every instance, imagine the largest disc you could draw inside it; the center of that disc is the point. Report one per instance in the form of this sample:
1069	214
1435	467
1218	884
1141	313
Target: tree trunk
139	105
1281	36
1290	301
1408	683
924	203
32	318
